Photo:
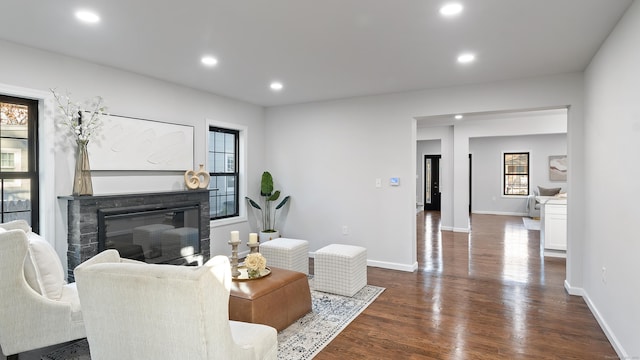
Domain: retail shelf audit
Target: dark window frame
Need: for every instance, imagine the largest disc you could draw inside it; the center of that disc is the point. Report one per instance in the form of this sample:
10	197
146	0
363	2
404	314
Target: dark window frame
32	173
506	174
235	174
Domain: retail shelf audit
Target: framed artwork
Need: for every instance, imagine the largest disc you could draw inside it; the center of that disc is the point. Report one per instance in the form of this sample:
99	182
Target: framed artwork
558	168
126	143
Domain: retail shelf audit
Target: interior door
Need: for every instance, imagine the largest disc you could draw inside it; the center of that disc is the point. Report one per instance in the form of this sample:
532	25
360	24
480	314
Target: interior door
432	182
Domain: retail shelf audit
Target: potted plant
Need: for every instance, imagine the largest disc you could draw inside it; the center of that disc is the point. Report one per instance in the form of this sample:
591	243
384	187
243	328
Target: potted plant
269	196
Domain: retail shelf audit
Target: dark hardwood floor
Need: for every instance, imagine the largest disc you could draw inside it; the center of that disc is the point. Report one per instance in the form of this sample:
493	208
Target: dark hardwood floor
484	295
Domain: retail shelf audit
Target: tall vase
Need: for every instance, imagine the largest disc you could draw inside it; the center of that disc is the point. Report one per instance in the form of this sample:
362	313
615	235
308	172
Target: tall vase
82	178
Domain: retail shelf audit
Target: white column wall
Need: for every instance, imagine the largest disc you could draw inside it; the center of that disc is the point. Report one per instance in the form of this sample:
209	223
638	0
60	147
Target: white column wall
610	178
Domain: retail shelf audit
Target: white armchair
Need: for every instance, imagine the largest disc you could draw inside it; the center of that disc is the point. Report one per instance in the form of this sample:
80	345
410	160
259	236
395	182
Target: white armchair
37	308
149	311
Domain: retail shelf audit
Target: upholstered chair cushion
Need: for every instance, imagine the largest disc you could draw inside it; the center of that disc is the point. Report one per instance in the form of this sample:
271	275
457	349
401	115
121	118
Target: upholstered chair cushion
43	269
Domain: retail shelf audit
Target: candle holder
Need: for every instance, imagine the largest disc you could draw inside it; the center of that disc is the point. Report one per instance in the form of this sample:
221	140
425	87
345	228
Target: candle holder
234	258
253	247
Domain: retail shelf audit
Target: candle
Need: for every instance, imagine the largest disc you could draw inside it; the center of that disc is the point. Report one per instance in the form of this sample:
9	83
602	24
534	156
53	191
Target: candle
253	238
235	236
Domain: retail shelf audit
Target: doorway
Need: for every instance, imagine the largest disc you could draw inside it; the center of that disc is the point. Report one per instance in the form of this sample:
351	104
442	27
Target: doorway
432	195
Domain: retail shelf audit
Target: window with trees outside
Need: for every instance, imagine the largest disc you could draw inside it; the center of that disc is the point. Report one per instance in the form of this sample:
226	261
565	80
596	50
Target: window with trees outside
18	160
224	172
516	173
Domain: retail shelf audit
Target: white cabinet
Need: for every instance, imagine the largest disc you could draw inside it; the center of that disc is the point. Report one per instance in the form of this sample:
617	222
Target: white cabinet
553	230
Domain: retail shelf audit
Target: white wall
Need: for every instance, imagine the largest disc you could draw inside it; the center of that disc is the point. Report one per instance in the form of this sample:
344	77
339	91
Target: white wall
30	72
612	132
486	185
327	155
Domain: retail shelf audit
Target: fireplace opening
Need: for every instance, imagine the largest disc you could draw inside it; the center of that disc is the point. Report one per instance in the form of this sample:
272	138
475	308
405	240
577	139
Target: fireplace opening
155	235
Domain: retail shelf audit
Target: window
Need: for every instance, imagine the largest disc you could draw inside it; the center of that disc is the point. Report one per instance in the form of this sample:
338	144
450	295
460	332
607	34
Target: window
224	171
516	173
18	160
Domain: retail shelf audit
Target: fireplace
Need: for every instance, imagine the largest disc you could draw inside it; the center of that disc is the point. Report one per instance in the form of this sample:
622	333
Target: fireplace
166	227
153	234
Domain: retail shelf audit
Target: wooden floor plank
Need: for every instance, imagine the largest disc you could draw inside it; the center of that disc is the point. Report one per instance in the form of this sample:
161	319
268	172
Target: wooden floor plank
484	295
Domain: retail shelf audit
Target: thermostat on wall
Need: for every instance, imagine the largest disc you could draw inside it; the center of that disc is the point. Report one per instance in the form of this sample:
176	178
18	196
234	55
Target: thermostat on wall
394	181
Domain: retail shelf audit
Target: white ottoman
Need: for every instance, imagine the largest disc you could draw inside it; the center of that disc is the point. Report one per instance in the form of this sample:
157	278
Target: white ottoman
340	269
284	253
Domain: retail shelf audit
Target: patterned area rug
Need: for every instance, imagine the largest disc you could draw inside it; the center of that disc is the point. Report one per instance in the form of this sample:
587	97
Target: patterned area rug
301	341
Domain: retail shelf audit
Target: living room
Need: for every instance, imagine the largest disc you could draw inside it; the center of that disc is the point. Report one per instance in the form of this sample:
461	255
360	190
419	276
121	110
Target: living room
328	154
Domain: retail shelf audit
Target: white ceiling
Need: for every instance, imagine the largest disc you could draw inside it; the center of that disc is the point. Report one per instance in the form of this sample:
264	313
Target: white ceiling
319	50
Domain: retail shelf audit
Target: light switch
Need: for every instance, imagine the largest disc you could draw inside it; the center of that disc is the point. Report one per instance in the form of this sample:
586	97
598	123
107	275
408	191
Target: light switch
378	183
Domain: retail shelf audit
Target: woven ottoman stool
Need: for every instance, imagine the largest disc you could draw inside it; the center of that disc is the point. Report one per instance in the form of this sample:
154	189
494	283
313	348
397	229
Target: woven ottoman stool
290	254
340	269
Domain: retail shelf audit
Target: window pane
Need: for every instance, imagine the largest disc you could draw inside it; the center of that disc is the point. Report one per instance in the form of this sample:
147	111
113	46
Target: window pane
229	143
16	199
218	162
18	178
427	183
223	201
14	121
218	142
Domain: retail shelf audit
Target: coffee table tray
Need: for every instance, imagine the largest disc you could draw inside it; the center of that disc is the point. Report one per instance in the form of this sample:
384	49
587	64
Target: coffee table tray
244	275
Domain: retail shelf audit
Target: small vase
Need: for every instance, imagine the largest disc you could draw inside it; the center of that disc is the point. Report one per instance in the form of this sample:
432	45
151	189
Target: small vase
253	274
82	178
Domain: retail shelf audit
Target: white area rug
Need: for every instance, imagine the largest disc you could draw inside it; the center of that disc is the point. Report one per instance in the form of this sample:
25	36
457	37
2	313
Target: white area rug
531	224
301	341
330	314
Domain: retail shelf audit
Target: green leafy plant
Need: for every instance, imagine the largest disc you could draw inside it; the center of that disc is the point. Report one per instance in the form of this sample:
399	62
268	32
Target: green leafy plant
269	196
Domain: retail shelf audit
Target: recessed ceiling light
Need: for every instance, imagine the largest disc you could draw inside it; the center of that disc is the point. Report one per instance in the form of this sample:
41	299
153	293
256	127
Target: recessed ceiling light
87	16
458	117
451	9
466	58
276	86
209	60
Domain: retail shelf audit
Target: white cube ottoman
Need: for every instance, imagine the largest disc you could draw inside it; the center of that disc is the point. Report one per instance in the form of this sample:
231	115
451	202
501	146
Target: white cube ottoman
340	269
284	253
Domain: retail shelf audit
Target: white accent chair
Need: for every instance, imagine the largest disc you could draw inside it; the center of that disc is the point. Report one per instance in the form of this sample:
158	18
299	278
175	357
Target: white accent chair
37	308
152	311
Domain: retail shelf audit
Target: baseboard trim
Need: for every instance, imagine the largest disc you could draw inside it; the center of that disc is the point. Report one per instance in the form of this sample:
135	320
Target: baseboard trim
384	264
573	290
461	230
446	228
622	354
481	212
576	291
393	266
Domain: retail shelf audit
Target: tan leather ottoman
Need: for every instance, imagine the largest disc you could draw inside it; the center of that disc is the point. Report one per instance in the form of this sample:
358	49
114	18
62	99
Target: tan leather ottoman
277	300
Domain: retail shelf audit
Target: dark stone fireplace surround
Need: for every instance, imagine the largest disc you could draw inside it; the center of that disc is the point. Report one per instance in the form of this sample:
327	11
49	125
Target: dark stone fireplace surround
82	219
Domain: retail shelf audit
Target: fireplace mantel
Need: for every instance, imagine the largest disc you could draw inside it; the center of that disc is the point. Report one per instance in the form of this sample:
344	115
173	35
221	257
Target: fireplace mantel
82	219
